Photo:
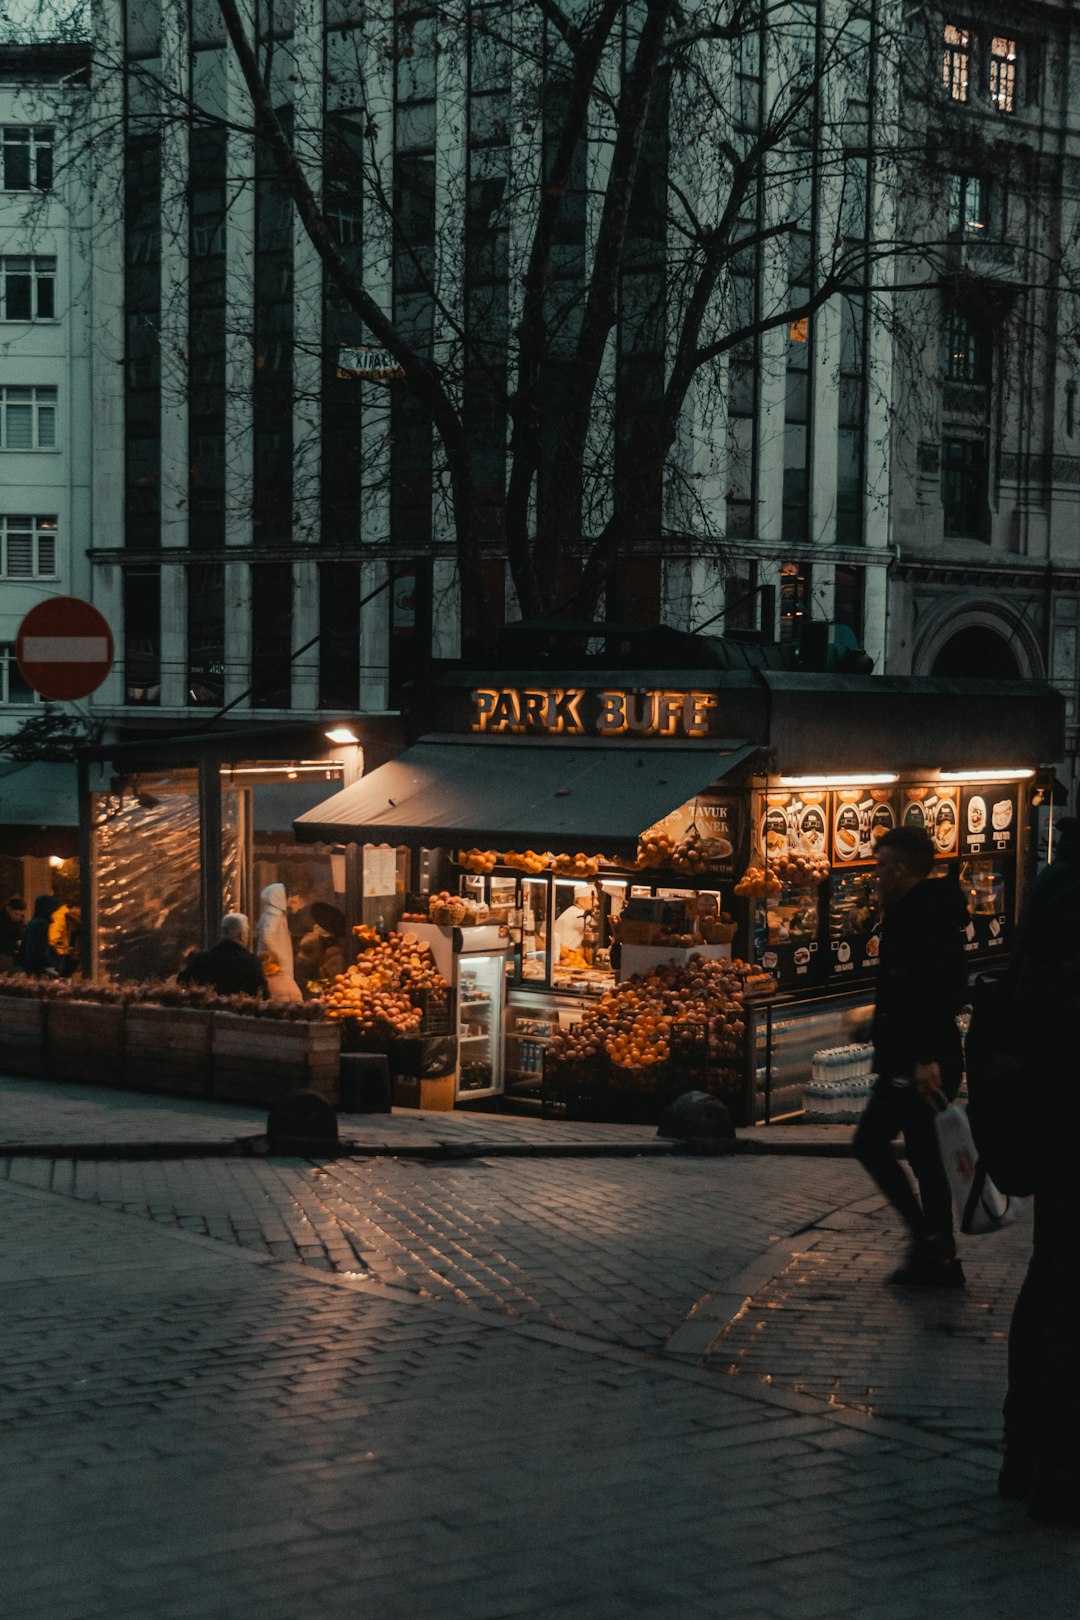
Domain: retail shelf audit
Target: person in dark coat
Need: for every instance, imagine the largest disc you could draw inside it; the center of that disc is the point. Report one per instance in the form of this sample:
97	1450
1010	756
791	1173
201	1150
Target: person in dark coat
921	989
229	967
37	954
12	923
1042	1406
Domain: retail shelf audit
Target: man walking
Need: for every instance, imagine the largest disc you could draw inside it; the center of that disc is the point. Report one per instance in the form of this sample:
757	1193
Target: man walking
922	985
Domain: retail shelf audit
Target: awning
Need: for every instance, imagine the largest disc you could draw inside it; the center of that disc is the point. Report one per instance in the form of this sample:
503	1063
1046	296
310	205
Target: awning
517	795
39	807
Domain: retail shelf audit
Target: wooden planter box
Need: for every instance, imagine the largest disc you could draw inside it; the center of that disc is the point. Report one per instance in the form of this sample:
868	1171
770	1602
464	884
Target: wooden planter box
22	1036
168	1049
258	1060
85	1041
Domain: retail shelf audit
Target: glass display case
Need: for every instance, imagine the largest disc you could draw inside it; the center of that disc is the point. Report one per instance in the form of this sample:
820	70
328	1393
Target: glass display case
534	929
533	1018
480	989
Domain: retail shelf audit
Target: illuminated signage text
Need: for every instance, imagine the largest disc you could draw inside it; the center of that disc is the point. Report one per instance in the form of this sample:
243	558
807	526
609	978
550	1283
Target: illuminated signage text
575	711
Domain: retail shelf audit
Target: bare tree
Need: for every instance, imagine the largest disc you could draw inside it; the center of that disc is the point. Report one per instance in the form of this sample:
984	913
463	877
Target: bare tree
637	198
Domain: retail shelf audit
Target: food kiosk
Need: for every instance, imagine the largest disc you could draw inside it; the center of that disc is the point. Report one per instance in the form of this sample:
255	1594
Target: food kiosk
705	833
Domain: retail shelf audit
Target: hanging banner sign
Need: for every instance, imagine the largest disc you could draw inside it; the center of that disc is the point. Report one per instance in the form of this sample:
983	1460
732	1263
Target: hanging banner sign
367	363
581	712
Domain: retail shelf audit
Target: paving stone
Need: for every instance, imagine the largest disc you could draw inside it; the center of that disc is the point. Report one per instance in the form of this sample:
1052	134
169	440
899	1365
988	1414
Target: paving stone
514	1433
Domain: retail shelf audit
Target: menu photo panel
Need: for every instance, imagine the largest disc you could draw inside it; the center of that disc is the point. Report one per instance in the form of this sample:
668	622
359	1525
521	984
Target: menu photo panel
792	862
935	807
861	816
988	819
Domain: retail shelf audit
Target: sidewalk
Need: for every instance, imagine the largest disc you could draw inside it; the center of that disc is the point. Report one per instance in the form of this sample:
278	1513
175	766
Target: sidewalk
57	1119
649	1388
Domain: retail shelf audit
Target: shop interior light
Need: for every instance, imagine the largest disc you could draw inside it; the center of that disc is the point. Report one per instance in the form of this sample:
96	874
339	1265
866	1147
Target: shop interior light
848	779
286	768
56	860
341	734
1006	774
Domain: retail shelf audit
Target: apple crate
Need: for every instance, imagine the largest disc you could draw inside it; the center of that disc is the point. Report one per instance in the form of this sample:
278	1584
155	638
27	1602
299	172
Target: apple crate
258	1060
85	1041
168	1050
22	1036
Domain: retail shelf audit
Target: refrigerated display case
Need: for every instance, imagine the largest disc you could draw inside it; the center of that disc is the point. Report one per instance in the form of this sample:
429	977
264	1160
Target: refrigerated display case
480	981
533	1019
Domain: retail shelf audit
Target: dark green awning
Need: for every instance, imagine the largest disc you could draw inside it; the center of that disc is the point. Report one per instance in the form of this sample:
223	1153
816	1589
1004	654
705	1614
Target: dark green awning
521	795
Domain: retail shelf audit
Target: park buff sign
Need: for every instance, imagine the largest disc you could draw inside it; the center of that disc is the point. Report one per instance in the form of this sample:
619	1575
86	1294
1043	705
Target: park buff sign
578	711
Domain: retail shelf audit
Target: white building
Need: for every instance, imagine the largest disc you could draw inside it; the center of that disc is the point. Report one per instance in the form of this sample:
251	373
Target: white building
45	401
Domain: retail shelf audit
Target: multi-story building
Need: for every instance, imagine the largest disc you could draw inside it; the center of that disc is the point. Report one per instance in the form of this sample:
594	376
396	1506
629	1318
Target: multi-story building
45	410
985	502
887	446
45	419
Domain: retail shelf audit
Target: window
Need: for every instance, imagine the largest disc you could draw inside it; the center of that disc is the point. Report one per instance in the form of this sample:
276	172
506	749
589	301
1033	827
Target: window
27	418
969	71
142	635
27	547
13	686
969	204
28	157
794	600
956	66
966	351
27	289
1003	74
963	488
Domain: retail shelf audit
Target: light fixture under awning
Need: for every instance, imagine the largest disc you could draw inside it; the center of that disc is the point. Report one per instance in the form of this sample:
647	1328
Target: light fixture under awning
520	795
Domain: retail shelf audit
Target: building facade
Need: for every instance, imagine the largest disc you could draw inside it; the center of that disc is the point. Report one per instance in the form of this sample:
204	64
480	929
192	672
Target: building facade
886	447
45	399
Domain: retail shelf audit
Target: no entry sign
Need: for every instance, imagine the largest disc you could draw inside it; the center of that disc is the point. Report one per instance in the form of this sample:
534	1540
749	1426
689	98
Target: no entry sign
64	648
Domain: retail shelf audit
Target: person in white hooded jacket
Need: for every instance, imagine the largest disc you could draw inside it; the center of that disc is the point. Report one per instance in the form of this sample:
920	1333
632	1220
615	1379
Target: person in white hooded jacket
273	944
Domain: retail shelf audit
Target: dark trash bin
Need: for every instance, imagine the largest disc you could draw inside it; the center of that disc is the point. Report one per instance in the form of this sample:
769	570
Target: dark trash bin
365	1083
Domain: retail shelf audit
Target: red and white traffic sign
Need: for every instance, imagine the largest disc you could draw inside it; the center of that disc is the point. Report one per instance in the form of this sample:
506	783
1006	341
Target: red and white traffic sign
64	648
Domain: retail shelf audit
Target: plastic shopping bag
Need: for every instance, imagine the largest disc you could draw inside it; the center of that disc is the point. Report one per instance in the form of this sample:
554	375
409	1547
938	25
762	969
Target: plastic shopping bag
978	1204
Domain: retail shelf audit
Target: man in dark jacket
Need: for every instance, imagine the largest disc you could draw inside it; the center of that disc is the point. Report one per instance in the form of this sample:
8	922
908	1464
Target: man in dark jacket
228	966
922	986
12	923
1042	1407
37	954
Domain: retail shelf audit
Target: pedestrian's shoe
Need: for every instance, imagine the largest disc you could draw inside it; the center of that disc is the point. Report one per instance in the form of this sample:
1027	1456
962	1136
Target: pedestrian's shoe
931	1263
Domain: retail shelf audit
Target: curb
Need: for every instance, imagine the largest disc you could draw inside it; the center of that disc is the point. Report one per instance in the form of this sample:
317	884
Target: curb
255	1147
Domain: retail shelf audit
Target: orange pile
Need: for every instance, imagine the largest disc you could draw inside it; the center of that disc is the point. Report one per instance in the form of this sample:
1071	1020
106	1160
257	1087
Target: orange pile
379	989
637	1023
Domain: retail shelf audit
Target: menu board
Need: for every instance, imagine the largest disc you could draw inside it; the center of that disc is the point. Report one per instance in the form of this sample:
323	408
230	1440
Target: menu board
714	823
988	819
988	889
855	917
790	823
860	817
787	944
934	806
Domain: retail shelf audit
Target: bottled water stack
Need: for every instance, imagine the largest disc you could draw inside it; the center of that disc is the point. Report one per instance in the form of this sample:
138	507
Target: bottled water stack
841	1078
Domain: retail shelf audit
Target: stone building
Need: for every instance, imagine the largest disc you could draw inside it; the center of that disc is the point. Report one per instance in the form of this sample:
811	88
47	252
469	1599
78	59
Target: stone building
270	521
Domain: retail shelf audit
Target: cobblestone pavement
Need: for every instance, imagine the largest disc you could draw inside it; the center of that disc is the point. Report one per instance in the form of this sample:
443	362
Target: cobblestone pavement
621	1248
193	1430
824	1326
